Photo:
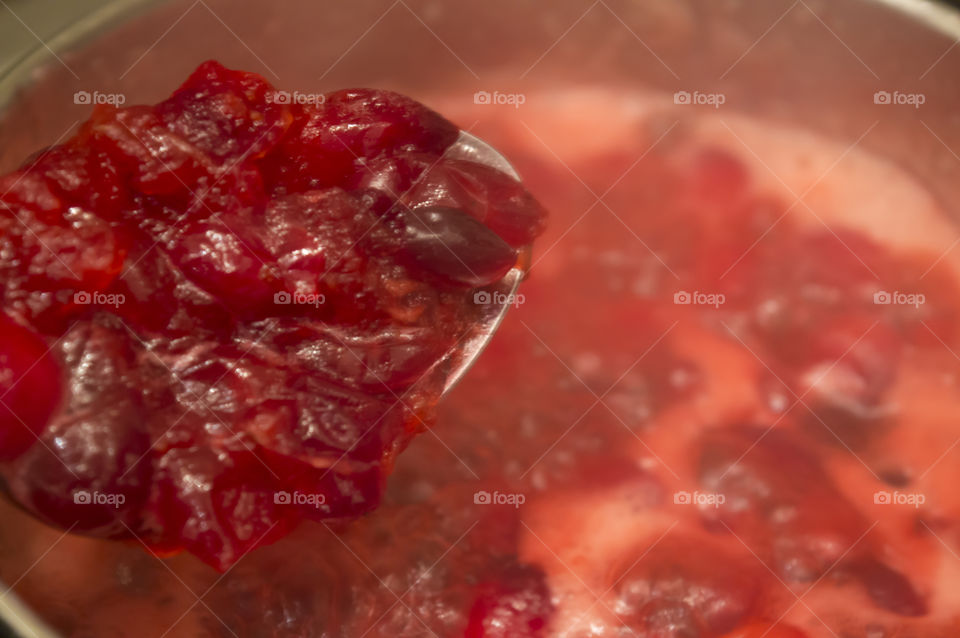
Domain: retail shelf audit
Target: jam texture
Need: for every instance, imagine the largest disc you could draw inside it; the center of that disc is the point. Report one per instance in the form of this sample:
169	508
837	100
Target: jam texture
218	312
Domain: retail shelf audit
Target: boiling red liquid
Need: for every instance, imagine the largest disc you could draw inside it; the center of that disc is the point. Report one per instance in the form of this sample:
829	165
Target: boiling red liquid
703	419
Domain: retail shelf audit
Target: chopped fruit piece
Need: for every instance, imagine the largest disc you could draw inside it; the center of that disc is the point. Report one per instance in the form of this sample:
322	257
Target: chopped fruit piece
331	142
149	157
367	122
229	115
239	308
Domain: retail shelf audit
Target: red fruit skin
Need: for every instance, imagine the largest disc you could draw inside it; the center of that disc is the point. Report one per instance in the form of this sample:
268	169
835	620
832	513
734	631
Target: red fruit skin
30	388
218	505
307	158
48	260
144	153
323	149
92	472
26	189
368	122
229	115
231	266
81	176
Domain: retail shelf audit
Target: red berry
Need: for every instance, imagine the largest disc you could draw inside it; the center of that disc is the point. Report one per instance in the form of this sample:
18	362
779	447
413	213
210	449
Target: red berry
232	267
30	387
451	245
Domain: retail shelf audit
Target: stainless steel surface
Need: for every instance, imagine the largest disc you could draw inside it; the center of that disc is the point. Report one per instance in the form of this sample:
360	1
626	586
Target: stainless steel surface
458	361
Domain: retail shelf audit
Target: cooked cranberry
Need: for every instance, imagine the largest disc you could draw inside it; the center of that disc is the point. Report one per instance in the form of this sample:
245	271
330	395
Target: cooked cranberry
687	587
226	264
516	605
382	361
394	174
308	158
315	239
353	127
91	472
227	114
218	504
233	310
373	200
30	387
27	189
779	497
82	176
158	298
888	588
47	264
146	154
366	122
451	245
